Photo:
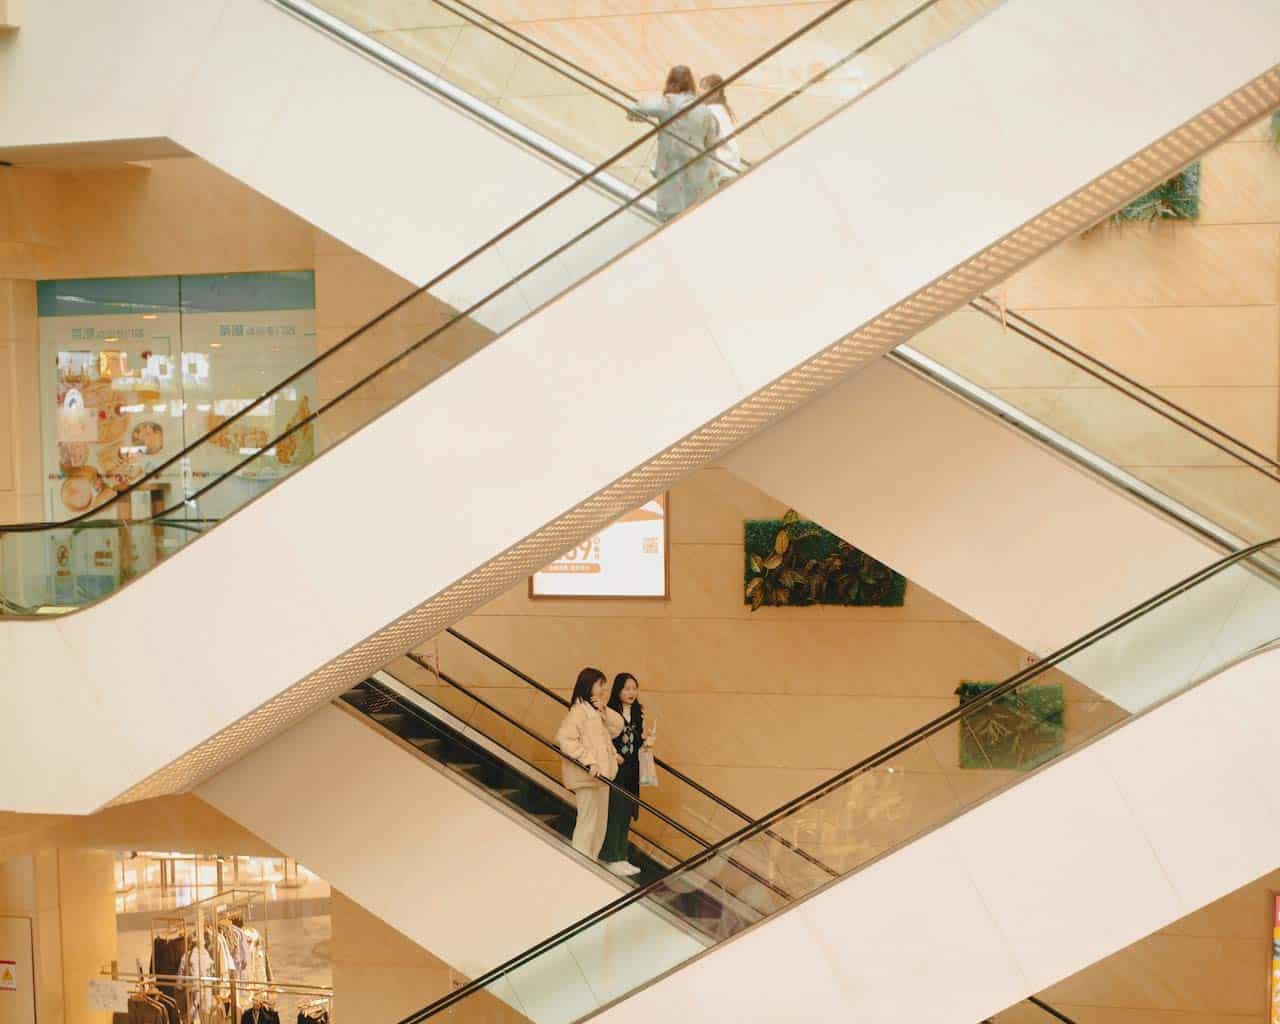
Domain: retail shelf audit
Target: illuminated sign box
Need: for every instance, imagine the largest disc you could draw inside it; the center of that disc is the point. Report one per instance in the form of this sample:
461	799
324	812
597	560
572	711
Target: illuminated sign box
628	558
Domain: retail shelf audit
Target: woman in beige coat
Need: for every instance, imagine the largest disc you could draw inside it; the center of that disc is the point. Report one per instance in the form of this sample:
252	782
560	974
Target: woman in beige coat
586	736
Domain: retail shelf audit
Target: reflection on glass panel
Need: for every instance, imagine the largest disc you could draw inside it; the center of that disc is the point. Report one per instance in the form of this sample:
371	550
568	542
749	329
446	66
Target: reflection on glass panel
501	69
1025	370
455	315
994	737
137	368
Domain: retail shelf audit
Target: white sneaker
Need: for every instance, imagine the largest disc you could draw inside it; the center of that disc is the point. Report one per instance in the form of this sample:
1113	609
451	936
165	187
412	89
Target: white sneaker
623	868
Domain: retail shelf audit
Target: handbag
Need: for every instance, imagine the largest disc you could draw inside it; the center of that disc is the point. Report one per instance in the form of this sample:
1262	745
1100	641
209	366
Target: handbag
648	767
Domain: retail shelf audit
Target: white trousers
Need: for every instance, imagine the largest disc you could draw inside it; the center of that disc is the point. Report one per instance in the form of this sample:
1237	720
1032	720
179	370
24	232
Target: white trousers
593	817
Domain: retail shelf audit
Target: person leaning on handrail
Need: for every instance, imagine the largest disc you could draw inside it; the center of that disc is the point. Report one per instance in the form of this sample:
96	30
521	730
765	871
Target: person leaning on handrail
684	177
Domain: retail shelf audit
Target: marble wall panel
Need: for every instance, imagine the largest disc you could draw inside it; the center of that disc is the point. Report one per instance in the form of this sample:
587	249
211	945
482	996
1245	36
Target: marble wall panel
1210	967
1173	346
1176	972
1240	183
1170	264
758	706
179	216
634	51
1189	308
379	974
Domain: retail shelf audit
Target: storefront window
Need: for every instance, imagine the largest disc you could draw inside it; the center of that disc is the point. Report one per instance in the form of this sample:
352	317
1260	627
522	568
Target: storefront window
134	369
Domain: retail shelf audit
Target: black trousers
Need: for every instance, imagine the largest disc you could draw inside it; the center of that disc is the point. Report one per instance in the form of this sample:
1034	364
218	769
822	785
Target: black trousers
621	812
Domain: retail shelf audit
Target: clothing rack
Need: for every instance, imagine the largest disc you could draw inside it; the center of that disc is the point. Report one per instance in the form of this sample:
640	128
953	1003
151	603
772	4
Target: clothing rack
198	921
315	998
297	988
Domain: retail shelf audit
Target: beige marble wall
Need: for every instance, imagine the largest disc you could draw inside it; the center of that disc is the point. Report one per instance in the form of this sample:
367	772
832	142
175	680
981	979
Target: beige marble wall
631	45
183	822
759	706
27	232
1192	308
1211	967
178	216
379	974
70	896
19	413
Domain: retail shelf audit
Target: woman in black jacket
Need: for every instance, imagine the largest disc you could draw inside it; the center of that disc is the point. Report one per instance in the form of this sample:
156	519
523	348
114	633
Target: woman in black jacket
622	810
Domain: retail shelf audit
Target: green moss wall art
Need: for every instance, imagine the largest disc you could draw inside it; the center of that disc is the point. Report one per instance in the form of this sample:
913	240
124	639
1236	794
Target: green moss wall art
1015	732
792	561
1177	199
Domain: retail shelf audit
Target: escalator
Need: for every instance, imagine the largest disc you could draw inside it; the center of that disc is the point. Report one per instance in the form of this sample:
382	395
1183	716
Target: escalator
1028	461
1124	821
709	352
309	103
468	779
491	743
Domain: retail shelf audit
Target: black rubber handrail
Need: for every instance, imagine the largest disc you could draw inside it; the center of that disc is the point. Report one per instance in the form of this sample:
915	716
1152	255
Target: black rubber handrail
875	760
408	707
674	772
1136	390
526	678
613	786
571	188
486	22
524	44
1041	1004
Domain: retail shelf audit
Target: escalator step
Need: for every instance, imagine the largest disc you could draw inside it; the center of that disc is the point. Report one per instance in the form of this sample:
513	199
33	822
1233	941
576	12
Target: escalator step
390	719
465	767
508	794
427	744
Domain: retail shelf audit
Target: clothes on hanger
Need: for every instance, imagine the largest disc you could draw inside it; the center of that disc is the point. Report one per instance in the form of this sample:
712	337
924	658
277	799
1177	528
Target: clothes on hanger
150	1006
200	995
260	1013
220	1013
233	933
257	966
166	958
314	1011
144	1010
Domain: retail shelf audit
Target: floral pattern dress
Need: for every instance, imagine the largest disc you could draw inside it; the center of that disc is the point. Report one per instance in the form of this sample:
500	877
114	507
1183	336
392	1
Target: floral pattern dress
682	181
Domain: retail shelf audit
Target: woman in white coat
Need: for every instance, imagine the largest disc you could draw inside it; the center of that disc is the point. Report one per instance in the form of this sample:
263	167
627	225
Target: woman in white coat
586	736
682	179
728	161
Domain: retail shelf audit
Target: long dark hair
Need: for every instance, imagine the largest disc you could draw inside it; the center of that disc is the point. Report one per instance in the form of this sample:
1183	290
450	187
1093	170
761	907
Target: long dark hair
615	700
587	680
679	79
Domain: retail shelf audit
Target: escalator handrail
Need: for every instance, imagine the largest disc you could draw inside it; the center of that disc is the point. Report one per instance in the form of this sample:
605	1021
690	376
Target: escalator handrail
477	17
572	187
1096	368
525	677
387	56
665	766
479	749
1039	1003
613	786
917	735
526	44
1124	480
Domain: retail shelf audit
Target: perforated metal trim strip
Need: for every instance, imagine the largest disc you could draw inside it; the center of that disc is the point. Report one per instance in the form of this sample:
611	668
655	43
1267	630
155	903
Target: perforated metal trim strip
1077	212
